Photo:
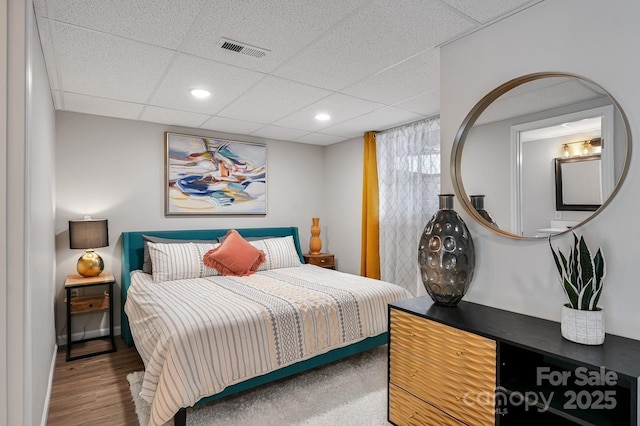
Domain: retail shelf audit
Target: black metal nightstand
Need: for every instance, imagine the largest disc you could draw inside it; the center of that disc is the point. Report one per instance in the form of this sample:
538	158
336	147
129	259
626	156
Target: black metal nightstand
89	304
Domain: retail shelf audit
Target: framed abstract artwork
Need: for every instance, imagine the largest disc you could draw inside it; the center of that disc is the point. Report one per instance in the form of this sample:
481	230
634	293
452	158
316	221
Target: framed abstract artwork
208	176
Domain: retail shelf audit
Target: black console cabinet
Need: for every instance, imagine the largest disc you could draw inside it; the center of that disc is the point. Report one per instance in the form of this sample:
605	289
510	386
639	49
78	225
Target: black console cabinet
542	378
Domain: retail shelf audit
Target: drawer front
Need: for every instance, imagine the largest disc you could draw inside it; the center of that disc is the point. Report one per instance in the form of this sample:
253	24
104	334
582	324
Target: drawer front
406	409
466	393
449	368
324	261
83	304
438	343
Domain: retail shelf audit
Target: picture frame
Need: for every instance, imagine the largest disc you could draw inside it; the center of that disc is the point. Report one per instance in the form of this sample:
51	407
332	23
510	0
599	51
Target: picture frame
205	175
578	182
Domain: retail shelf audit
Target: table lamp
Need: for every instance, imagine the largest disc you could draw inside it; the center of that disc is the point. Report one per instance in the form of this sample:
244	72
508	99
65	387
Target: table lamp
89	234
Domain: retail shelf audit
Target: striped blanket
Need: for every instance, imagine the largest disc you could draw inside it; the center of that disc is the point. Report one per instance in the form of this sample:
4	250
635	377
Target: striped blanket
198	336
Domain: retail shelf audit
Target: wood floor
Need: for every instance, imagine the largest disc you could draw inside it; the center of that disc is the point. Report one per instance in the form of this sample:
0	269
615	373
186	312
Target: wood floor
94	391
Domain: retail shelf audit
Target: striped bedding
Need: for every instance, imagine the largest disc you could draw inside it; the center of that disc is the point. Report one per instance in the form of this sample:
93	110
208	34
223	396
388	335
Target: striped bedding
198	336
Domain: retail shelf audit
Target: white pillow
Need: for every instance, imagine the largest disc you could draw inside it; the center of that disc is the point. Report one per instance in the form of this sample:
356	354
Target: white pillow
280	253
180	261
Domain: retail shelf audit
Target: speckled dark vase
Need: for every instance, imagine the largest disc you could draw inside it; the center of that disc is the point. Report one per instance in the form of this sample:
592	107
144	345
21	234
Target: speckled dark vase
446	255
477	201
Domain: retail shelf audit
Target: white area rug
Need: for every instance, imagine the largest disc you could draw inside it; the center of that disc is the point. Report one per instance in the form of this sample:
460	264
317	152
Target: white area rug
351	392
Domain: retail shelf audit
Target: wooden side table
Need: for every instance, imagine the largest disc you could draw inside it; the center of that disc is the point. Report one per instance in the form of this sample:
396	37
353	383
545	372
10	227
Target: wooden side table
324	260
89	304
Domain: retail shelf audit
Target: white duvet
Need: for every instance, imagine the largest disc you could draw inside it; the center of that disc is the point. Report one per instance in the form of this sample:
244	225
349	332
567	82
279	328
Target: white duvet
198	336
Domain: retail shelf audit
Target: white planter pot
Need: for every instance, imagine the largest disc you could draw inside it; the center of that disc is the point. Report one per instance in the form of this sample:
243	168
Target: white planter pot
586	327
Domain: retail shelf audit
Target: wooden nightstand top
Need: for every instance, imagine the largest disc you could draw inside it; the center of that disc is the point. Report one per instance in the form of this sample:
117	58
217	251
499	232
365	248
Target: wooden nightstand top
309	255
79	280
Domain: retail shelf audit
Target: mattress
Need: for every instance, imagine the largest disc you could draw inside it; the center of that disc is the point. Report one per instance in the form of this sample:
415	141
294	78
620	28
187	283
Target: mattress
198	336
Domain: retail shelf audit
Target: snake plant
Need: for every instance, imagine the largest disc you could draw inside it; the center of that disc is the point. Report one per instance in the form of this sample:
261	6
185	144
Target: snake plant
581	276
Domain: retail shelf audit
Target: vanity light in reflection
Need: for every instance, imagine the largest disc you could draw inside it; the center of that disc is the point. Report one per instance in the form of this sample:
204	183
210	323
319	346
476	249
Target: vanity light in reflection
576	149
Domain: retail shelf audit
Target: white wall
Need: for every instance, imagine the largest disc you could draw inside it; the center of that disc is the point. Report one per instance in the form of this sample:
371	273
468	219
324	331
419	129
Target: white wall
114	169
519	275
343	167
41	349
28	338
489	145
538	184
17	401
4	241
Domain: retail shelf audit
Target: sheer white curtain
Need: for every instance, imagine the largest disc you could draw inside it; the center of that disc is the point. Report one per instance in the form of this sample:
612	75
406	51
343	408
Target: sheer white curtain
409	183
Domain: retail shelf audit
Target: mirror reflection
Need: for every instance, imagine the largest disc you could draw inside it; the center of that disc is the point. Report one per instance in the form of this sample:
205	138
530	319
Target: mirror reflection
579	183
535	136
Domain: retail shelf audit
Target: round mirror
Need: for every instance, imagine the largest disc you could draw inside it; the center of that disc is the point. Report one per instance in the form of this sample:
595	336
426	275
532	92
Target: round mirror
540	155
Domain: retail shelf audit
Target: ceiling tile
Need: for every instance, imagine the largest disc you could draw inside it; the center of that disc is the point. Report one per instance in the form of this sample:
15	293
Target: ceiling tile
107	66
419	74
225	82
281	133
340	107
427	104
48	51
172	117
487	10
159	22
101	106
380	119
371	64
320	139
384	33
229	125
282	27
40	8
272	99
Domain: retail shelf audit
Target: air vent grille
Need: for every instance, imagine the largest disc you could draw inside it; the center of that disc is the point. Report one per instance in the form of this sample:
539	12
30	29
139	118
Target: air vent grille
243	48
231	46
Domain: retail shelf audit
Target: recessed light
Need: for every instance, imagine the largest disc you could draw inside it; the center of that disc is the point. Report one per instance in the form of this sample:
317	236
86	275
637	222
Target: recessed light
200	93
323	117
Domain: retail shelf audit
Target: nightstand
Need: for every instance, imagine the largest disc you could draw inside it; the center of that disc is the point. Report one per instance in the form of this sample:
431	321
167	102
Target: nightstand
324	260
79	305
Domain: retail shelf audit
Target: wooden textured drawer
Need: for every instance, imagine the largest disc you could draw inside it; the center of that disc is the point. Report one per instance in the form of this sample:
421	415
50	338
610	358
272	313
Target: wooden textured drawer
324	260
466	393
452	369
406	409
438	343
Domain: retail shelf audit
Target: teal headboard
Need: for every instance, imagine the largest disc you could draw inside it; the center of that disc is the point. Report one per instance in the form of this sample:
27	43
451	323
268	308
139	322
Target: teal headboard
133	253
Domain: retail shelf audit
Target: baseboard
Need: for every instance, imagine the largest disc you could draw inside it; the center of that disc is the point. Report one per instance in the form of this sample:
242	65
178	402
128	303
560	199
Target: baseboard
47	399
62	340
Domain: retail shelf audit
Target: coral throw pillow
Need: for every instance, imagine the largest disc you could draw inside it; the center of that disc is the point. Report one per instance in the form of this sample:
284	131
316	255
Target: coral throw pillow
235	256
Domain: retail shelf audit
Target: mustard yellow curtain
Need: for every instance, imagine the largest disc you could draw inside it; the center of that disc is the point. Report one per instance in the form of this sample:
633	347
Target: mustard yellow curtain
370	253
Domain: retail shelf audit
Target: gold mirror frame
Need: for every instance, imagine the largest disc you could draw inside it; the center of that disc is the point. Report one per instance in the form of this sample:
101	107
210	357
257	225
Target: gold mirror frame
480	107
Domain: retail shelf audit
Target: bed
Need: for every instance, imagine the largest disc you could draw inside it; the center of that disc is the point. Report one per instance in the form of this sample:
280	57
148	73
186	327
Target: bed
206	336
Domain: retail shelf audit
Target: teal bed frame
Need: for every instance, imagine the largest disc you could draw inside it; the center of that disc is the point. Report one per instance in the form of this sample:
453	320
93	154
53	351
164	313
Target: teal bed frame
132	259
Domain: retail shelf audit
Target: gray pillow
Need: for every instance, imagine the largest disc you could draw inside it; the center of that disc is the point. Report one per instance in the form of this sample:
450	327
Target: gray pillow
146	260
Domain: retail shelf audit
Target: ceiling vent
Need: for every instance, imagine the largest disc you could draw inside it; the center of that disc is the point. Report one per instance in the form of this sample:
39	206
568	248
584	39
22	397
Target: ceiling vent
243	48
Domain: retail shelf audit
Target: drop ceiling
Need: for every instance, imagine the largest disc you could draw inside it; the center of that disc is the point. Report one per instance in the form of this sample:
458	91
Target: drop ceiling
369	64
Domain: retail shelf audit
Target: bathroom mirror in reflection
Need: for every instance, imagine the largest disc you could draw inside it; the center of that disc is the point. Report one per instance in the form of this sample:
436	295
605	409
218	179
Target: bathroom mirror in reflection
523	136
